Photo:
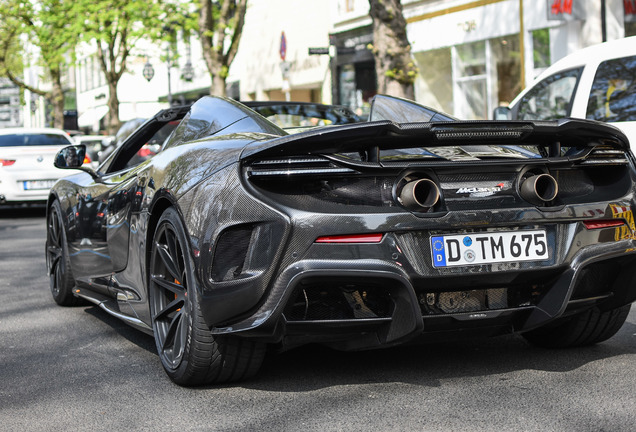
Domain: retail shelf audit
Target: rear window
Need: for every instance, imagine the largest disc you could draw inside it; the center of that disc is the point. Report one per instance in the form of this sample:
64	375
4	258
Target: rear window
613	94
16	140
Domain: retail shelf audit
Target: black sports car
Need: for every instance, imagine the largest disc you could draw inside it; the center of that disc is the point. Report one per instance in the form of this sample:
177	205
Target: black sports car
241	234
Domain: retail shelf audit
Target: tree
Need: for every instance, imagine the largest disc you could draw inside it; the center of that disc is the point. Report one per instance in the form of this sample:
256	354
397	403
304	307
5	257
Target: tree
394	66
44	25
220	25
115	27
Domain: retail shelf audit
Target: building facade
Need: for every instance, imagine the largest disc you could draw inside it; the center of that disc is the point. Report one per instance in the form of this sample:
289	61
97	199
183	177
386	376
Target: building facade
138	96
474	55
10	108
274	62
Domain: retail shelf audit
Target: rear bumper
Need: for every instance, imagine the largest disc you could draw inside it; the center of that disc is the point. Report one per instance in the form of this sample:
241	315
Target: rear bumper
370	302
12	186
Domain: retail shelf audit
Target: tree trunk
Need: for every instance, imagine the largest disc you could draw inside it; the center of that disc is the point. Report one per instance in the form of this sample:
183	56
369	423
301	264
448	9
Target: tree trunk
212	34
394	66
57	100
113	108
218	86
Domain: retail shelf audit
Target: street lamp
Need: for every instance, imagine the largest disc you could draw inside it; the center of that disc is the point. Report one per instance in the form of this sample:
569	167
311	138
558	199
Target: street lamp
148	71
187	73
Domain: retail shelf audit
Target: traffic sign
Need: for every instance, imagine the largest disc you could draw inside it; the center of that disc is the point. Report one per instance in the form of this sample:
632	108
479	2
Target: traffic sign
283	46
319	51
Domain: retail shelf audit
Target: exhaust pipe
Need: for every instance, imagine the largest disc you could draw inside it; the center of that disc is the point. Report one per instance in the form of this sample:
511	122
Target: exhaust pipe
419	195
539	189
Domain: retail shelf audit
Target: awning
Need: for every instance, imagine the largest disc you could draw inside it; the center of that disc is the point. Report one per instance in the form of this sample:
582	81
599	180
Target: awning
92	116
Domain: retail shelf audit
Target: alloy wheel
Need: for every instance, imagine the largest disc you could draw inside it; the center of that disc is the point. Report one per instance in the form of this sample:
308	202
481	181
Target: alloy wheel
54	250
169	295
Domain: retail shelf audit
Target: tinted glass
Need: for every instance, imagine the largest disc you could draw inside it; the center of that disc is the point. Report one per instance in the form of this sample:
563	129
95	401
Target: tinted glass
295	115
32	140
613	94
551	99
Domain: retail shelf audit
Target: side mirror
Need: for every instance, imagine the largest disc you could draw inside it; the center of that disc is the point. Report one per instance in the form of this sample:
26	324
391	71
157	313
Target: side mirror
502	113
71	157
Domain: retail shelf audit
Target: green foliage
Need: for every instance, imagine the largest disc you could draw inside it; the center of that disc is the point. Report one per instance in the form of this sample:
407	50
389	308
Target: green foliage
406	75
44	25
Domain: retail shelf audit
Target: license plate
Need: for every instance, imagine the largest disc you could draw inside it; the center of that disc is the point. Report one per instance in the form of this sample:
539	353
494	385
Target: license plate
38	184
489	247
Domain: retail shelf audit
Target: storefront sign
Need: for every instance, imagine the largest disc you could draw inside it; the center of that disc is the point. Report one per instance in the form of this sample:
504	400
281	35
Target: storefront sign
467	26
566	10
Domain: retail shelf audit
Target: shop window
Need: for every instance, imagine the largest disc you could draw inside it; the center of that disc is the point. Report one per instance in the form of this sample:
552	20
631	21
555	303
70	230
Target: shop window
434	85
347	81
630	17
541	48
551	99
613	94
357	85
471	59
471	96
506	61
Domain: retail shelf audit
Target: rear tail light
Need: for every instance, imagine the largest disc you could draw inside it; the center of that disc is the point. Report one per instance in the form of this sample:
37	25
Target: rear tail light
7	162
87	159
599	224
356	238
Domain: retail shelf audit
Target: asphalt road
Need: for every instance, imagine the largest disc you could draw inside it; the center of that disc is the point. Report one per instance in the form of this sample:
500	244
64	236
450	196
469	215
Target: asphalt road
78	369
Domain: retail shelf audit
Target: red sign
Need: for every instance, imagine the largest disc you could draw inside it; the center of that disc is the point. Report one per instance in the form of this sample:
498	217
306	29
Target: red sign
561	7
283	46
566	10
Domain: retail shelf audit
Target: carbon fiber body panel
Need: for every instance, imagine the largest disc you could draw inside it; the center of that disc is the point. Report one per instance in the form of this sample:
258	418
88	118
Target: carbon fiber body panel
329	235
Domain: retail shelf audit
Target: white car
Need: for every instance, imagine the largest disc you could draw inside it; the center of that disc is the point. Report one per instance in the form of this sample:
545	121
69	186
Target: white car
597	83
26	163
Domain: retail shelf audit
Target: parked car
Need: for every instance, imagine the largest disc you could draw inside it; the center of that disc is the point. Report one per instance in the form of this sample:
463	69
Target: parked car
128	128
239	234
26	163
596	83
94	145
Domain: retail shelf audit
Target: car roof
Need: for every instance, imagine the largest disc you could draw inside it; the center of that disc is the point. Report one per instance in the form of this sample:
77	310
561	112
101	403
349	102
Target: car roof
589	57
24	131
594	54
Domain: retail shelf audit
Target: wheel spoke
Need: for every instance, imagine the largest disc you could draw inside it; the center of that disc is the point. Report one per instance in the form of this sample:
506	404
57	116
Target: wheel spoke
174	305
55	229
54	252
168	261
178	346
169	339
174	288
54	264
173	248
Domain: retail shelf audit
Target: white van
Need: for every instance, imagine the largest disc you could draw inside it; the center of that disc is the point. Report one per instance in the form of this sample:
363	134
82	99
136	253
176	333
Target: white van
597	82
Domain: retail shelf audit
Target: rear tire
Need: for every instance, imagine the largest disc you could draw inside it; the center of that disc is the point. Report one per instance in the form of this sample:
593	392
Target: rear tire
585	328
58	263
190	354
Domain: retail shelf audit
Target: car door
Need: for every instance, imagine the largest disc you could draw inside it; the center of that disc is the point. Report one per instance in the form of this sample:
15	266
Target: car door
105	205
88	249
98	246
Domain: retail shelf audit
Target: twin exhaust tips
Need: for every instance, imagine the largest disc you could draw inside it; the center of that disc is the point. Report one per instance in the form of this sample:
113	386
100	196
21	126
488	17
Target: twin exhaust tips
420	195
